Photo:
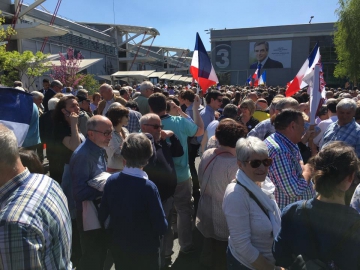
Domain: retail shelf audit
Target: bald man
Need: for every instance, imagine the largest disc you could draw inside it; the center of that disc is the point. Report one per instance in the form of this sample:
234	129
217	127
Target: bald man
88	161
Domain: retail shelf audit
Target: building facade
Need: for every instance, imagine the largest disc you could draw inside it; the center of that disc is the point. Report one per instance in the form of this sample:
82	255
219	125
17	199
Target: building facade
235	53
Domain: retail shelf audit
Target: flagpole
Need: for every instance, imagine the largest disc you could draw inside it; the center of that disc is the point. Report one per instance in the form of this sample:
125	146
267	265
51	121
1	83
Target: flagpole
315	97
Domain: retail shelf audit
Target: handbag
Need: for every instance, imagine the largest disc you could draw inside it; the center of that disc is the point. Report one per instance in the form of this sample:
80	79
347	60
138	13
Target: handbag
302	263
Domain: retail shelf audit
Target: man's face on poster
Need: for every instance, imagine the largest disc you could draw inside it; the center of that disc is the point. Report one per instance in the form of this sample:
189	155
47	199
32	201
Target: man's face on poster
260	52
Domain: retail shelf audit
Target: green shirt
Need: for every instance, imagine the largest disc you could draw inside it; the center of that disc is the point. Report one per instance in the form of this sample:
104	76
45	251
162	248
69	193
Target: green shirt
183	129
143	104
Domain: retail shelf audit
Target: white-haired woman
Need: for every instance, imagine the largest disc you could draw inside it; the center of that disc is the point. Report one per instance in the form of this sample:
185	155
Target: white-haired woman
252	215
132	201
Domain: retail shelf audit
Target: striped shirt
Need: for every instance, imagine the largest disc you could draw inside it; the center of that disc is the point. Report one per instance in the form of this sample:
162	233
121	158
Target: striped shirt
35	224
286	171
349	133
262	130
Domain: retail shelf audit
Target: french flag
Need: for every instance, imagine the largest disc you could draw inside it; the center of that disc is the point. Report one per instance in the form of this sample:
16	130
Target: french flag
262	79
297	83
255	77
201	68
16	108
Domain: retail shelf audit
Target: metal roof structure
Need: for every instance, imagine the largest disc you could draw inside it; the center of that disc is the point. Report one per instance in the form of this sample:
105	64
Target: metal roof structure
36	30
146	74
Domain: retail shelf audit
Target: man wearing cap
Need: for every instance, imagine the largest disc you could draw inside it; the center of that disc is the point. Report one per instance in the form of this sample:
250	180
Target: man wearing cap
84	102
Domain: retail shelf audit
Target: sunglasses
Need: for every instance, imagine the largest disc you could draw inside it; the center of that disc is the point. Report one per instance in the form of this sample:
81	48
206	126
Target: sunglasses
256	162
106	133
155	126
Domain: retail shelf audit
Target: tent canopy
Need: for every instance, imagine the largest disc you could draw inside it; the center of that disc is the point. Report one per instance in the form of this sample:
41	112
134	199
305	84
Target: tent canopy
84	64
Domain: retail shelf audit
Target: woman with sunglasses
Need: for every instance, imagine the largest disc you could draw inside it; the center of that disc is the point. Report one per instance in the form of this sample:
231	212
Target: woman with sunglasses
251	212
119	117
217	169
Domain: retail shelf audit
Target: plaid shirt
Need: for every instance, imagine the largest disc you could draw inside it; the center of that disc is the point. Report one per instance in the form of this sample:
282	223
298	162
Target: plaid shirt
35	224
262	130
133	124
350	134
286	171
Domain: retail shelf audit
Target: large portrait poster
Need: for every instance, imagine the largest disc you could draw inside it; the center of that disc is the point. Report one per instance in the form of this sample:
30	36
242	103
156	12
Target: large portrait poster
271	54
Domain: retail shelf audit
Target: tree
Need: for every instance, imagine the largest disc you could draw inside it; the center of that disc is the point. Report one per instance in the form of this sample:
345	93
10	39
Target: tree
4	34
346	39
66	73
26	65
89	83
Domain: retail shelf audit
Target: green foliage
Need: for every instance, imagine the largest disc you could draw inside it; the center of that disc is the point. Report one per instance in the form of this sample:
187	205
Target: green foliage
346	39
89	83
26	66
12	75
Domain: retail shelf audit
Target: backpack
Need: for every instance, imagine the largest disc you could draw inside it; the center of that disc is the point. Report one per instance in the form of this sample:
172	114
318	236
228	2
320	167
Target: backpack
302	263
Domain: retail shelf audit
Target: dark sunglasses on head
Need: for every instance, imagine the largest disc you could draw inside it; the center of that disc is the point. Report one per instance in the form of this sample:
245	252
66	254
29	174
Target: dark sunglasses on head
256	162
155	126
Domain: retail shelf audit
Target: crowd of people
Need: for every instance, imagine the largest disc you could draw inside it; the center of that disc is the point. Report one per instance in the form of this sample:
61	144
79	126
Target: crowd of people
271	191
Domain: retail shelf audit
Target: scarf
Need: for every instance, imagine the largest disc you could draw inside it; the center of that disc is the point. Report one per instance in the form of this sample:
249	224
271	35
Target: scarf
266	197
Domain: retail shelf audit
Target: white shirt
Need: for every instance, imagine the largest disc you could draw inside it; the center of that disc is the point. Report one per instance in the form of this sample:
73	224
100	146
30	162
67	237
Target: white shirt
323	125
250	229
211	128
107	105
263	62
136	172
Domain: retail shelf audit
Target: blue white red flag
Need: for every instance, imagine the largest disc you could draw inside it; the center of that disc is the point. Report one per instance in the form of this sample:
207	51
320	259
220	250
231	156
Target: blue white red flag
201	68
16	108
262	79
248	81
255	77
298	82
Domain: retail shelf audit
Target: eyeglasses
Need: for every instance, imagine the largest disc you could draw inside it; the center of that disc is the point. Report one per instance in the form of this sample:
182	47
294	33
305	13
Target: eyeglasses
155	126
256	162
219	99
106	133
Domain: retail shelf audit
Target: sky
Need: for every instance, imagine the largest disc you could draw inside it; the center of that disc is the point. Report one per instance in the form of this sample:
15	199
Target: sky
178	21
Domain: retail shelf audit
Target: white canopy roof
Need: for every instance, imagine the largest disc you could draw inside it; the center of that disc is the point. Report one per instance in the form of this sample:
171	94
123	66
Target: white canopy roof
157	74
84	64
140	74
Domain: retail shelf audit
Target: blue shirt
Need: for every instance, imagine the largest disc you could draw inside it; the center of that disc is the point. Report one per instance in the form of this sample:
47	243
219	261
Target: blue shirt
133	125
350	134
33	135
207	115
137	219
329	222
87	161
286	171
35	225
183	129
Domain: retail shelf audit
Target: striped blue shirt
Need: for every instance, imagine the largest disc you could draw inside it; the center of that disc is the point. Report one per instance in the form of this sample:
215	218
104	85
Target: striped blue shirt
35	224
286	171
349	133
